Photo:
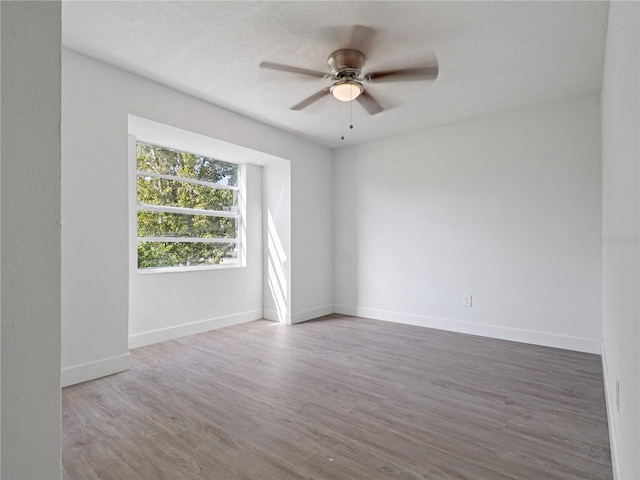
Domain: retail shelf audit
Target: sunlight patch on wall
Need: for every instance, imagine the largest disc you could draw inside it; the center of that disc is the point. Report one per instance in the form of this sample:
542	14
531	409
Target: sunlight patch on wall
276	275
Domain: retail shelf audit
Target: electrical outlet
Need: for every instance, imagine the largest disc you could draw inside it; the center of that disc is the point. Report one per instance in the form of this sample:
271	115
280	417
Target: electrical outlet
466	301
617	395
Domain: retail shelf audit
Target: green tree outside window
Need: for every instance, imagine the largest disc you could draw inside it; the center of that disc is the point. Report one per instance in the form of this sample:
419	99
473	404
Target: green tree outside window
184	201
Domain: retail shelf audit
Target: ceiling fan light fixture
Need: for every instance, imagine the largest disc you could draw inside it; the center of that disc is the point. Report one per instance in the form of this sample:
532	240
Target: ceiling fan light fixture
347	91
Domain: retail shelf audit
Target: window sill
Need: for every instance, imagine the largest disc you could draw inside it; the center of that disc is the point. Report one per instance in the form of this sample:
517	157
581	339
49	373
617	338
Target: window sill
152	271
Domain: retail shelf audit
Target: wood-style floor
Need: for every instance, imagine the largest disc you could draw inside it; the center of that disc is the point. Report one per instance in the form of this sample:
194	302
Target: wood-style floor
340	398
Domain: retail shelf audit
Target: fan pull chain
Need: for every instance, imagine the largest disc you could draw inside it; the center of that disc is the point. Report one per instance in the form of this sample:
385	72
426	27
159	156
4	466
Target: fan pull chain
350	115
341	116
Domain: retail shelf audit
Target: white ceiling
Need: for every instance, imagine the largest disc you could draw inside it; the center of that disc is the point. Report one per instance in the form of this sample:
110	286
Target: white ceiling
493	56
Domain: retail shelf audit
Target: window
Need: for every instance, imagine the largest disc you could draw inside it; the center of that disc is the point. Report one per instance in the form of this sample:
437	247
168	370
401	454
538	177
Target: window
187	209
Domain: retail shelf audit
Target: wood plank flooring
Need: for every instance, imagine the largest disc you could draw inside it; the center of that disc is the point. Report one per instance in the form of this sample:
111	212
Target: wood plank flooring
340	398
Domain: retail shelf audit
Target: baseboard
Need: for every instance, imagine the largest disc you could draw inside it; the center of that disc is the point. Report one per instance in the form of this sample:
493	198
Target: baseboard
274	316
300	317
96	369
177	331
268	314
579	344
610	402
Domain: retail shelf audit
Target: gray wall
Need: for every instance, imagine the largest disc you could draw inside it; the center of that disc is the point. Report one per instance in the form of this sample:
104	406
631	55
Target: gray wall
621	233
30	239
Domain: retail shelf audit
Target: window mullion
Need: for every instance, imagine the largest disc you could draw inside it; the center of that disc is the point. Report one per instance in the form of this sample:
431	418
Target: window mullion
187	211
187	240
193	181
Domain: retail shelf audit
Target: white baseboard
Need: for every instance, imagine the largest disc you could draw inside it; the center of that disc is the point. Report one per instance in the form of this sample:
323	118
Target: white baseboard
177	331
579	344
274	316
96	369
610	401
300	317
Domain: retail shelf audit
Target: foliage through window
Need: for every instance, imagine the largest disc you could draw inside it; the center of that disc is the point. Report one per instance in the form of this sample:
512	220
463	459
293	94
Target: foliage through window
187	209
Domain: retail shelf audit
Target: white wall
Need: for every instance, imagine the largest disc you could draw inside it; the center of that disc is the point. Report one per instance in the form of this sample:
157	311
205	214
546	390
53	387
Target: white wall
621	233
312	240
94	222
30	243
505	208
168	305
97	100
276	242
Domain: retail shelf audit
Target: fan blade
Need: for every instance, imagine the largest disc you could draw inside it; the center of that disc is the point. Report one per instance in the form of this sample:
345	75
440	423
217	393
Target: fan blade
369	103
309	100
403	75
287	68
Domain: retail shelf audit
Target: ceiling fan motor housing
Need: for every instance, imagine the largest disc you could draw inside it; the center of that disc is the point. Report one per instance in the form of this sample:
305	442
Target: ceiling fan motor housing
346	63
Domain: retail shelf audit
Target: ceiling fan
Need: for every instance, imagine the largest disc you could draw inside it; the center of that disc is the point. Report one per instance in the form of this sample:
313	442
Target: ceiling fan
346	73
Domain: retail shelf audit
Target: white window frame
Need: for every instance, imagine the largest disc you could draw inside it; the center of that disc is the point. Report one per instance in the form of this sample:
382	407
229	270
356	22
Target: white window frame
237	214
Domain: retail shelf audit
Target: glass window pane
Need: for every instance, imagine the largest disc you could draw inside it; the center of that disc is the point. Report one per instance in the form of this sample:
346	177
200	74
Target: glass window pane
159	191
152	254
161	224
151	158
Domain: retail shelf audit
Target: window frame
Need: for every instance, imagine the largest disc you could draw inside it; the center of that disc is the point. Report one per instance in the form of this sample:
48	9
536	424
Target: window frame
238	214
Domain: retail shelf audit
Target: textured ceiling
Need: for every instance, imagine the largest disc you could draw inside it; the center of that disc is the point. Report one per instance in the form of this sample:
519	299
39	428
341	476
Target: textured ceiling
493	56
